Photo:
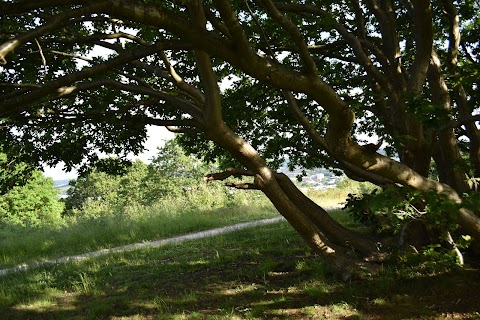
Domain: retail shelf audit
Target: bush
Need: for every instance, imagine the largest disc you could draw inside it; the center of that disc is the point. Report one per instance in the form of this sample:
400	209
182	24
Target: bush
172	178
34	204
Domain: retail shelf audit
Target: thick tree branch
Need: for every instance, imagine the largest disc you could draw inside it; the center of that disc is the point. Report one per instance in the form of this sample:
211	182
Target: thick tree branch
320	142
294	33
454	31
240	41
243	185
66	54
186	88
423	31
20	85
55	23
227	174
459	93
187	130
359	19
213	105
351	38
460	122
63	85
216	23
27	5
181	104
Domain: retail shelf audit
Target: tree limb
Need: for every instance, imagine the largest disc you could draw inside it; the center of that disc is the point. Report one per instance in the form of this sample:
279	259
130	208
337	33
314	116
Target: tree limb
241	42
63	85
216	23
27	5
186	88
295	34
228	173
423	31
243	185
460	122
350	169
352	40
56	22
213	105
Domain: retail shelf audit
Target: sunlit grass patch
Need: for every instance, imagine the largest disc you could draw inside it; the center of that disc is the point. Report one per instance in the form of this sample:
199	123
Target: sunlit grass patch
90	234
259	273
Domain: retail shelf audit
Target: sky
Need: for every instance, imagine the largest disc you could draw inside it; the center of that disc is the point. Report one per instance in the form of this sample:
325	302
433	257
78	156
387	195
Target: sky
156	138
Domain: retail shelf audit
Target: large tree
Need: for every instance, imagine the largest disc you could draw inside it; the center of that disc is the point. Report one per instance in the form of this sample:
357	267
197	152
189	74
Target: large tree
307	78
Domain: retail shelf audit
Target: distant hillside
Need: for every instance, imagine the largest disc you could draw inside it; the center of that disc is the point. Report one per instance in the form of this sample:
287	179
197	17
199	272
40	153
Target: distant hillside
61	183
62	186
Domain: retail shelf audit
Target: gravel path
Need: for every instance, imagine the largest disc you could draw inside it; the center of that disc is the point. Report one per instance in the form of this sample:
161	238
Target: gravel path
149	244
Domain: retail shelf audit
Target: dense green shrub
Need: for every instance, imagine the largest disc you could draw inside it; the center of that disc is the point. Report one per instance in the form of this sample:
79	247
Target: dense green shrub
13	172
34	204
172	178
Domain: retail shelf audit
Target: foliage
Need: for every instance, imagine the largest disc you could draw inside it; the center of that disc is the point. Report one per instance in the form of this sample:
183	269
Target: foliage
251	84
113	121
34	204
172	176
400	205
94	187
13	172
389	211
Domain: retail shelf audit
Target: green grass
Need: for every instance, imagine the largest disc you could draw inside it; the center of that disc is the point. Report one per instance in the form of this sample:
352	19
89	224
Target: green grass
336	197
260	273
25	245
135	224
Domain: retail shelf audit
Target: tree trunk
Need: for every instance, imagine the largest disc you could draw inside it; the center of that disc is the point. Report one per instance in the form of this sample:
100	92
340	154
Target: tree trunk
324	222
447	153
332	242
472	131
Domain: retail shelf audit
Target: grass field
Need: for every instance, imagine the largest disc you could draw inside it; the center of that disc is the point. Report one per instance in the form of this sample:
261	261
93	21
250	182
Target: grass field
20	245
26	245
265	272
261	273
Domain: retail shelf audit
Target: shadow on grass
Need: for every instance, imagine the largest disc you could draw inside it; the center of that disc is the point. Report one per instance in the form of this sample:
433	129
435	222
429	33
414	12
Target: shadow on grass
266	273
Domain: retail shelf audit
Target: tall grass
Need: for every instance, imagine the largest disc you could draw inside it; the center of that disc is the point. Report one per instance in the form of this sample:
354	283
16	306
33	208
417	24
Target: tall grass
336	197
206	207
166	218
265	272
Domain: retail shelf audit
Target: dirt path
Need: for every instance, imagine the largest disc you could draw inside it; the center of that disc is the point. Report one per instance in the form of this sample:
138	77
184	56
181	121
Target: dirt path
143	245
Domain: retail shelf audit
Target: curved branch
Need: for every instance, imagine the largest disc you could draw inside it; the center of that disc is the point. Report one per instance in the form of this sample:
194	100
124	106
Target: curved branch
228	173
295	34
186	88
181	104
213	103
103	36
460	122
181	124
459	92
56	22
350	169
27	5
352	40
241	42
359	19
187	130
216	23
20	85
454	32
62	85
423	30
243	185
